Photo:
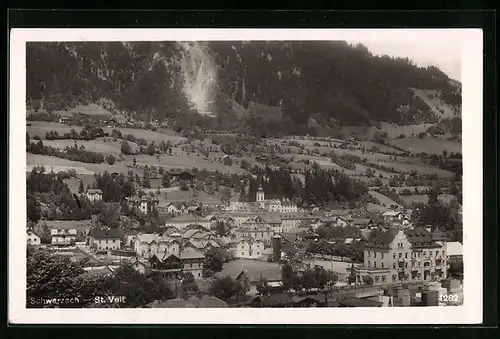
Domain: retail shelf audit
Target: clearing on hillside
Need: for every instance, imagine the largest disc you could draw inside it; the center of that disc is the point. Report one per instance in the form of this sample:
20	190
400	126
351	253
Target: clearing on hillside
89	109
41	127
428	145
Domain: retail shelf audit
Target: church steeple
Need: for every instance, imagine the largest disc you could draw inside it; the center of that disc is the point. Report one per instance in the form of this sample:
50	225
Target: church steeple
260	194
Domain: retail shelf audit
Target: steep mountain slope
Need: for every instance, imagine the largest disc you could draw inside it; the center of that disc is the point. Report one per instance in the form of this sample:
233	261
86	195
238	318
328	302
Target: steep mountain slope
287	87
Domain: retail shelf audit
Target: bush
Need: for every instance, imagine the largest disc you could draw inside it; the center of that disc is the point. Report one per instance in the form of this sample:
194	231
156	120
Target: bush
110	159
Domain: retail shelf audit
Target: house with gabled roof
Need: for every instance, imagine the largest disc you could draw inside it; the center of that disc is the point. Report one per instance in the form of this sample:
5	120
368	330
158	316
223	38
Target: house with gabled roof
63	234
248	248
33	238
105	238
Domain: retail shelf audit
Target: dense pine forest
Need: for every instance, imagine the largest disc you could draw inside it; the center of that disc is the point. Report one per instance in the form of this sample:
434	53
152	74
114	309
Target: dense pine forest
277	87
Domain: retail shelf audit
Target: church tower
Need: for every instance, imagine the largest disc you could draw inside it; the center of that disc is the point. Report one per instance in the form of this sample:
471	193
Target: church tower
260	195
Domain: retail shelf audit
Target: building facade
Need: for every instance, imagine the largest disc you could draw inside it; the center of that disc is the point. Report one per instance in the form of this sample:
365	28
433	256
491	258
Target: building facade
63	235
32	238
403	255
105	239
247	248
94	194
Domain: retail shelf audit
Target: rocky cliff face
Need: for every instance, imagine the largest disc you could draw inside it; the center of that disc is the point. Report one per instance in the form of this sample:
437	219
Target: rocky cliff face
288	84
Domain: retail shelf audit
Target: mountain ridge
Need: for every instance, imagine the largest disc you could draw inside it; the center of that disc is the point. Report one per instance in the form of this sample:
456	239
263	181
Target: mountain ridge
276	87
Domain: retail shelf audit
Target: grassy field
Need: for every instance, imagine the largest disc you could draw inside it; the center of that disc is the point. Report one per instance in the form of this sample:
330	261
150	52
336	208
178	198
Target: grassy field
407	168
393	130
435	103
90	109
361	170
411	188
375	208
157	137
427	145
41	127
64	164
383	148
74	183
183	162
410	199
100	145
383	200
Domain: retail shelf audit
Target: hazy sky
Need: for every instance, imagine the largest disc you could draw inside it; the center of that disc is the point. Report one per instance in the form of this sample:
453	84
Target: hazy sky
444	54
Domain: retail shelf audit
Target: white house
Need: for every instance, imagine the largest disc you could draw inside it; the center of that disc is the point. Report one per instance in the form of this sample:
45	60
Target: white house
94	194
247	248
147	245
63	235
32	238
104	239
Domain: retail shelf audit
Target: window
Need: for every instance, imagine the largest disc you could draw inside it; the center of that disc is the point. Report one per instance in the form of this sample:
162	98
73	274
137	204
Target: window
419	264
258	253
375	264
199	274
406	255
400	255
382	265
369	264
393	265
374	254
242	253
394	256
383	278
381	255
377	279
393	277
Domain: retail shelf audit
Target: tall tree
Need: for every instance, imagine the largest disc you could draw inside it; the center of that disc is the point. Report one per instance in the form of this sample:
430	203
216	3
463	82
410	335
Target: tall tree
225	288
81	188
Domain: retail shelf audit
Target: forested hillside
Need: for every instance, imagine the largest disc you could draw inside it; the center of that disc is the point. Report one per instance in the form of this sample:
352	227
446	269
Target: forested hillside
277	87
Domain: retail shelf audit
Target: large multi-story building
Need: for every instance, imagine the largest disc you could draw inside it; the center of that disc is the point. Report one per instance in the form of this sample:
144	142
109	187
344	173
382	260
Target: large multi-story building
275	205
403	255
248	248
105	239
256	232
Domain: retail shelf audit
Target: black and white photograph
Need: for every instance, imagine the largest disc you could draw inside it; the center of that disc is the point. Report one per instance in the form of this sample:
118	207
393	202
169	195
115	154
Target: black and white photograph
217	169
